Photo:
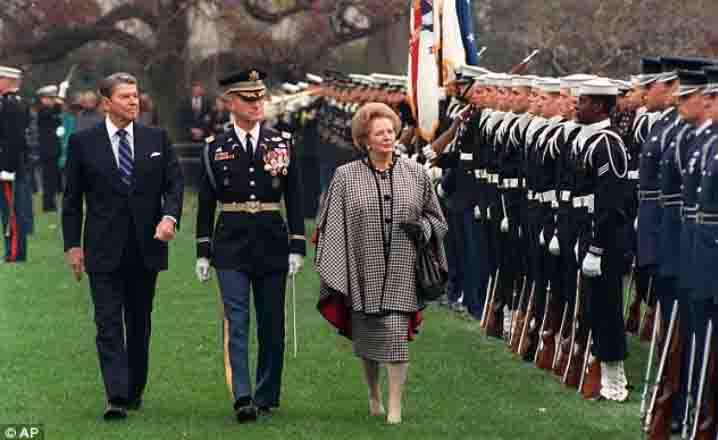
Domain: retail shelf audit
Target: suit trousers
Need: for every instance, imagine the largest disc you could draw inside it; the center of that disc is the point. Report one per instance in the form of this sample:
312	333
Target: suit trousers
123	309
269	292
50	184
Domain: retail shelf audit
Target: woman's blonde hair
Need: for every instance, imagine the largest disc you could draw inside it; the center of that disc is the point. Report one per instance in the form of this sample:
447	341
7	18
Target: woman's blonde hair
361	122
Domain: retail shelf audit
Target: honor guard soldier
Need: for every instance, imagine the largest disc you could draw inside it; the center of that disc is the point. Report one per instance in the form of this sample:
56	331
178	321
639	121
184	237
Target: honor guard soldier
49	121
247	173
605	165
13	123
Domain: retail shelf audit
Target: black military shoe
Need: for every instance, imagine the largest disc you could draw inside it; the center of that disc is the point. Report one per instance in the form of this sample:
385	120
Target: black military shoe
245	410
114	412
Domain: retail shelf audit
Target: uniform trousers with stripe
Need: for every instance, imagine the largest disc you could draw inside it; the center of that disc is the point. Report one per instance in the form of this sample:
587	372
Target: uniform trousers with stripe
16	215
269	293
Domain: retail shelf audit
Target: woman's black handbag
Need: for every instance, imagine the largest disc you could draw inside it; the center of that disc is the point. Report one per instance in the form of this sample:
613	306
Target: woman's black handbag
431	279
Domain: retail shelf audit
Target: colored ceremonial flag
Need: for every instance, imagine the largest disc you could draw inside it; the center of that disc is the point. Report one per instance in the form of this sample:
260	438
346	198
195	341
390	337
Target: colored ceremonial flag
464	12
423	69
453	53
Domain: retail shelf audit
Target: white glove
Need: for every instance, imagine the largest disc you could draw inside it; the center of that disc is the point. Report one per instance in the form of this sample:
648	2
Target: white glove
60	132
6	176
635	224
477	213
553	247
62	90
296	261
542	240
440	191
202	269
505	225
435	173
591	265
429	152
488	213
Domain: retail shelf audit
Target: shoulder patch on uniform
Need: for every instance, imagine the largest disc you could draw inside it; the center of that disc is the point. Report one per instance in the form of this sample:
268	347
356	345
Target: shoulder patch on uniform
209	140
286	135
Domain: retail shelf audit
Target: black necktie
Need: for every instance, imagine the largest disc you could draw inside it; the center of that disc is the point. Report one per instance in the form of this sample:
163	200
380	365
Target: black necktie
250	148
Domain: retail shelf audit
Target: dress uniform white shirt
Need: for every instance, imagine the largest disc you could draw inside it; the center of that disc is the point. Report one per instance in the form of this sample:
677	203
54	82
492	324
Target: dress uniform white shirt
242	136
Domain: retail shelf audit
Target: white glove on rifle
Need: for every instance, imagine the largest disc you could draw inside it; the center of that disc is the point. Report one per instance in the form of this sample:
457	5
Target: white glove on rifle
553	247
505	225
296	261
429	152
542	240
6	176
591	266
440	191
202	269
477	213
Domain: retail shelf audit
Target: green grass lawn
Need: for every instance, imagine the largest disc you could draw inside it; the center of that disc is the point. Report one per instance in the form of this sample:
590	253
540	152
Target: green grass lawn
461	385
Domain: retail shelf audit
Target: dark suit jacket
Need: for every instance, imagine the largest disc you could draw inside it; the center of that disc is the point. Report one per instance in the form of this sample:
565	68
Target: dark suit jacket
93	177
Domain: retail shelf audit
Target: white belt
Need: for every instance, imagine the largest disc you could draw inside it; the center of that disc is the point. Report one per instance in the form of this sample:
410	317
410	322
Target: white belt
510	183
565	196
548	196
632	175
530	195
466	156
480	174
585	202
493	178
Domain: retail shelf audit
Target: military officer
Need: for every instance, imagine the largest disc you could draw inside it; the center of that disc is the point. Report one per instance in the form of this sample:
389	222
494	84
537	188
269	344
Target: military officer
247	173
14	119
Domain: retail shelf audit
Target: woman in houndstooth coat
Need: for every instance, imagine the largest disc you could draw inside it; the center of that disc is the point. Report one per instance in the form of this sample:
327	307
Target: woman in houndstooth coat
376	212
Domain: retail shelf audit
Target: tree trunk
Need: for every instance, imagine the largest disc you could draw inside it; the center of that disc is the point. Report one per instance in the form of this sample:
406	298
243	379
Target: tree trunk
166	70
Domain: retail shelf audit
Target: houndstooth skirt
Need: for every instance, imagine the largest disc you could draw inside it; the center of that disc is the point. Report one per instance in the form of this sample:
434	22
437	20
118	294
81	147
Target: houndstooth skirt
381	338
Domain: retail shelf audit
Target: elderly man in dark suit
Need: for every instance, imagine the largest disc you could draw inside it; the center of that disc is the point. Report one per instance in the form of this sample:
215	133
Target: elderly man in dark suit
130	180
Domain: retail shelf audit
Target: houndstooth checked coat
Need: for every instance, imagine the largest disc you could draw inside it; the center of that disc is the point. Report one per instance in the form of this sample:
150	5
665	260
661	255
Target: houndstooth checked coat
350	251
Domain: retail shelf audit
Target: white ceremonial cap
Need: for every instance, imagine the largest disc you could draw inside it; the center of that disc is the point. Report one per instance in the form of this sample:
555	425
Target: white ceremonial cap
290	88
573	82
50	90
503	80
549	85
316	79
521	81
600	86
471	71
302	85
10	72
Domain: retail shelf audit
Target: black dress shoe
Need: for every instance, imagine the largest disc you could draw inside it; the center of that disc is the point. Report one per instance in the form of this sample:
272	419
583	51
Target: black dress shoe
114	412
135	405
244	410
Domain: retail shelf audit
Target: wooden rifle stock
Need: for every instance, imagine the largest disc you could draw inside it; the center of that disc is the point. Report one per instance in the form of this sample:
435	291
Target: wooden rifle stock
494	326
591	386
660	426
570	371
547	336
559	337
633	315
689	398
649	367
524	341
649	317
658	417
704	423
517	319
584	364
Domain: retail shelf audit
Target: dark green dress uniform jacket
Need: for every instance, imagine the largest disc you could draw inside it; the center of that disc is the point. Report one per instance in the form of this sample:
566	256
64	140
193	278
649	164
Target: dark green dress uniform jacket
256	243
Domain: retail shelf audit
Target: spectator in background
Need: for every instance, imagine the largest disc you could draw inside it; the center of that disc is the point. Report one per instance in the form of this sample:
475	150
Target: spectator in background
91	114
194	115
219	116
72	110
148	116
